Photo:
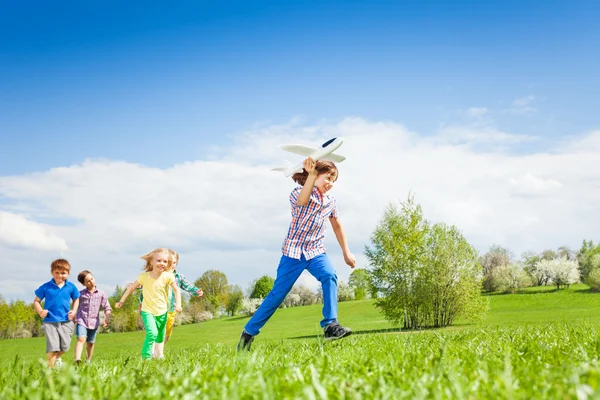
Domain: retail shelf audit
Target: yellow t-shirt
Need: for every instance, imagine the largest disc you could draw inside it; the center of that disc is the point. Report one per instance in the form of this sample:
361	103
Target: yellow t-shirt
156	292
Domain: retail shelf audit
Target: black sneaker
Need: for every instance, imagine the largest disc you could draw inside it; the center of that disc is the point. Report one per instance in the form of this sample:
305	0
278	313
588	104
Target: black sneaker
245	341
335	331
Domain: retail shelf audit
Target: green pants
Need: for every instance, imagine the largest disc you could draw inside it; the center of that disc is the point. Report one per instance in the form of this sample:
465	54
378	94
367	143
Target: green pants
155	332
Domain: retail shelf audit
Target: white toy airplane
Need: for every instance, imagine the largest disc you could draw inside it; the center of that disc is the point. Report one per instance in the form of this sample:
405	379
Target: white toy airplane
324	153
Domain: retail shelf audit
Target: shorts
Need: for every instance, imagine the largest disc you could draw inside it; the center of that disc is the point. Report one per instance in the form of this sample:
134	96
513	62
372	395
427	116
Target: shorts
170	323
89	334
58	335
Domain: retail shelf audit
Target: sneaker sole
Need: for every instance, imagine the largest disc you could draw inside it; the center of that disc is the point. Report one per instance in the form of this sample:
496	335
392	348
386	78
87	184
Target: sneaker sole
328	339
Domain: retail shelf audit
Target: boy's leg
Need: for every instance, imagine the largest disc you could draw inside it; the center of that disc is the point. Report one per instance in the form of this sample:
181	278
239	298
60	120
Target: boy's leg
52	342
287	273
151	334
91	340
90	350
65	333
321	268
81	333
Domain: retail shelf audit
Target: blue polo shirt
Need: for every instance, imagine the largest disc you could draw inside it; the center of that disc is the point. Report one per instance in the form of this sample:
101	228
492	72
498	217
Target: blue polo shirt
57	300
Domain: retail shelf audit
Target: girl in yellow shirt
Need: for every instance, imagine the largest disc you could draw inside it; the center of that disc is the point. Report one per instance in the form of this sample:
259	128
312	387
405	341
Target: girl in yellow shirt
155	282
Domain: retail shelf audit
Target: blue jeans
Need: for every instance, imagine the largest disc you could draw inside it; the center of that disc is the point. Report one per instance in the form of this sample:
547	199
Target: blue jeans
89	334
287	273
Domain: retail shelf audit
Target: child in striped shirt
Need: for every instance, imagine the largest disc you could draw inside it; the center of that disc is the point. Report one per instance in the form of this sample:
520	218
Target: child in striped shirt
303	249
88	315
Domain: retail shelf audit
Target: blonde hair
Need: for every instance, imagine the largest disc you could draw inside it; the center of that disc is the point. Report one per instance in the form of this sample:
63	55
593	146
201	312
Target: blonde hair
173	257
150	256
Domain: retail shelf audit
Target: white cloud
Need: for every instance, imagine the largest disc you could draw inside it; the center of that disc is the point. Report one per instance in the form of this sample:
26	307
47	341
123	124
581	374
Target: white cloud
230	212
476	112
522	106
17	231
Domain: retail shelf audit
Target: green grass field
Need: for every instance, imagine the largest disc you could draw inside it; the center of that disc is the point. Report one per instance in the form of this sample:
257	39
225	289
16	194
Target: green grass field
538	344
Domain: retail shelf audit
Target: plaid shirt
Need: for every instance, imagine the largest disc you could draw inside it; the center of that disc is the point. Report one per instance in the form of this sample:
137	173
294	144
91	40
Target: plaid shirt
185	285
89	308
307	229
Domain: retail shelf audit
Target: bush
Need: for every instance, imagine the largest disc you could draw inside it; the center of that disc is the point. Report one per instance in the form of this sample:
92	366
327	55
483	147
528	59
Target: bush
424	275
345	292
299	296
593	280
249	306
510	278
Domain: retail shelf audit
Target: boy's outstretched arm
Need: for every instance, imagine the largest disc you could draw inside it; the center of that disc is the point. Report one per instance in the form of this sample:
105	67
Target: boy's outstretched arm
130	288
341	238
177	296
37	306
187	286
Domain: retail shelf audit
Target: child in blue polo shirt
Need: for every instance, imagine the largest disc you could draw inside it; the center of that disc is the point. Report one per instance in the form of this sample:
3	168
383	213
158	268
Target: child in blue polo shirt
57	313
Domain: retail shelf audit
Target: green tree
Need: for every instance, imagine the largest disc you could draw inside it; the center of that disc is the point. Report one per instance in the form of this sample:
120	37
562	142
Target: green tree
425	275
234	300
452	276
126	318
261	287
360	282
586	257
396	257
216	289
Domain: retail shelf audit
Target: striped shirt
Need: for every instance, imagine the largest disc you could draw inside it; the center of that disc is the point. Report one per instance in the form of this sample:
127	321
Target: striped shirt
307	229
89	308
185	285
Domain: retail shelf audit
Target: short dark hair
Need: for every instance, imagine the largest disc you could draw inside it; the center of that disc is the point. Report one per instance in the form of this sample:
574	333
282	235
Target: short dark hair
61	265
82	275
322	167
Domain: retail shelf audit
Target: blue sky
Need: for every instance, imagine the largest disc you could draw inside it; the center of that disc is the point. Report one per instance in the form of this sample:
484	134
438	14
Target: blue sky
115	79
486	110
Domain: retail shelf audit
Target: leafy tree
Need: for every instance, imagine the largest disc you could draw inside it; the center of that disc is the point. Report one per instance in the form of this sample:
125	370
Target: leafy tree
425	275
261	287
361	283
216	289
585	257
126	318
234	301
495	258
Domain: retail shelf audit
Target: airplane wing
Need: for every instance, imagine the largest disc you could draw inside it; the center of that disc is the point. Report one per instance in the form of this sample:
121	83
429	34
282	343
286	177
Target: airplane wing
333	157
298	149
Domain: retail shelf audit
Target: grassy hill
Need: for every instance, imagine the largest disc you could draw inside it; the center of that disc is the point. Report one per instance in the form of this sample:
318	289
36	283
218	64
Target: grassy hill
541	305
540	343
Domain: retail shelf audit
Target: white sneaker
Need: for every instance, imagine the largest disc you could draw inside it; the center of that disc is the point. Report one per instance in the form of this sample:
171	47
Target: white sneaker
58	363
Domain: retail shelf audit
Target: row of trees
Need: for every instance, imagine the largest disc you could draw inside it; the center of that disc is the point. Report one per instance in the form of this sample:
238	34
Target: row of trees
563	267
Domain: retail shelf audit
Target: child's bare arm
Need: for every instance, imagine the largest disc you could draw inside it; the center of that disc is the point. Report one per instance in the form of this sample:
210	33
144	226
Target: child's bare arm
130	288
37	306
341	238
177	296
304	196
73	311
